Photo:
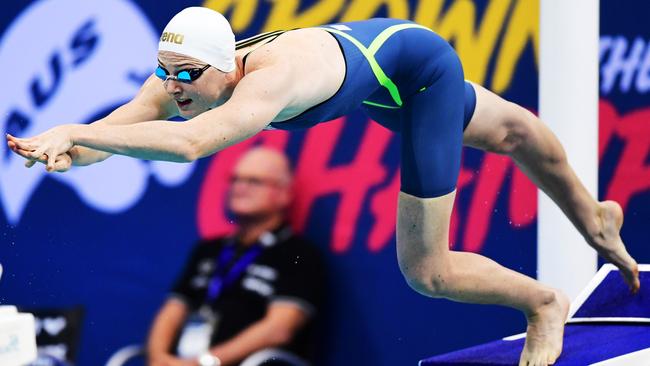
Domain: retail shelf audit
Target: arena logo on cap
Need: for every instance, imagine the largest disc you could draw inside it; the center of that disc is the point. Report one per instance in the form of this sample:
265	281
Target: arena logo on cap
76	72
172	37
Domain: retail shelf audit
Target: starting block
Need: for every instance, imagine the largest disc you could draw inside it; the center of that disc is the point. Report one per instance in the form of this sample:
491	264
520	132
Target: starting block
607	326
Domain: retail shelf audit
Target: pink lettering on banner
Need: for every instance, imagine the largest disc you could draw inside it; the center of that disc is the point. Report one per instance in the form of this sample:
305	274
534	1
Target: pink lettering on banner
606	128
490	182
383	207
353	181
350	182
522	208
632	173
491	176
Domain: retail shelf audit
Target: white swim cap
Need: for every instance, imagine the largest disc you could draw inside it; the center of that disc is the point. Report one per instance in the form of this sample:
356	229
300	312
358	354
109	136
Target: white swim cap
201	33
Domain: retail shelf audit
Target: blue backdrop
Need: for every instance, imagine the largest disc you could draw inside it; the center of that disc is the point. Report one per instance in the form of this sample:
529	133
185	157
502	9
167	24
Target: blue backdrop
113	236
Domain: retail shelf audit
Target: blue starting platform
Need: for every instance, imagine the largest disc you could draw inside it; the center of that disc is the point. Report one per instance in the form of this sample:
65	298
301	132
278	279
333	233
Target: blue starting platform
607	326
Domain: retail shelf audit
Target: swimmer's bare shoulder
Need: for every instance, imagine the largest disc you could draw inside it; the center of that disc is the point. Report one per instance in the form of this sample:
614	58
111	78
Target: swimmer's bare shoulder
310	59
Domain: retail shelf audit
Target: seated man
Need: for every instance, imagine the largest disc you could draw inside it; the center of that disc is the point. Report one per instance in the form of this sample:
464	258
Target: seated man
255	293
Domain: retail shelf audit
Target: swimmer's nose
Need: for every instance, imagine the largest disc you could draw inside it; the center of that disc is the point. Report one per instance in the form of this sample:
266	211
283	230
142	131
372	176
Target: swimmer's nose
173	87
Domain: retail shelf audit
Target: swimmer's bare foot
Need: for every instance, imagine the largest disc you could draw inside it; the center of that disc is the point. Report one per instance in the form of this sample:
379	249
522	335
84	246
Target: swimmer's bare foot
545	331
609	245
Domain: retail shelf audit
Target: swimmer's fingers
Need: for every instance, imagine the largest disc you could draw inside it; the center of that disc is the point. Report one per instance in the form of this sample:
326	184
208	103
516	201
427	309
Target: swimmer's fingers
36	152
30	150
51	159
20	143
17	146
40	154
27	154
35	146
63	163
11	138
52	142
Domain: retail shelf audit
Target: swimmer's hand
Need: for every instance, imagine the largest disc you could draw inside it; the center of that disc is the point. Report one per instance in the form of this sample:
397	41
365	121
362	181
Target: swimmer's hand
63	162
50	148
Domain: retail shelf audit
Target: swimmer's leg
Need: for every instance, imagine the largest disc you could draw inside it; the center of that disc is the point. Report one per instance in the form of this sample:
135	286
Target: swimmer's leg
432	133
506	128
433	270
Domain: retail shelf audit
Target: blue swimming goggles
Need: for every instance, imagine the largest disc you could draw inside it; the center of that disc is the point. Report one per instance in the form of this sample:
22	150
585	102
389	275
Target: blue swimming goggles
184	76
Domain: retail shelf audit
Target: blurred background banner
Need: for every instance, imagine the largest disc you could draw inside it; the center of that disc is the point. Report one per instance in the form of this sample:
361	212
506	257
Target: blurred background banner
624	140
110	238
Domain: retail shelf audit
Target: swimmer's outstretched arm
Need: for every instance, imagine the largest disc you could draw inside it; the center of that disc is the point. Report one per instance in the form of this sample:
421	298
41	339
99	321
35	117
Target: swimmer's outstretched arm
256	100
151	102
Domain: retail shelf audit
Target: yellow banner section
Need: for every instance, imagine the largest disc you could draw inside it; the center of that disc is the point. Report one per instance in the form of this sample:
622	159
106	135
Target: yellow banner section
477	41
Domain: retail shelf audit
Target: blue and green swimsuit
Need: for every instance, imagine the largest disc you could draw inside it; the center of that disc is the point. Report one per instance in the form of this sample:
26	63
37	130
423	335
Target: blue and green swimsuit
409	79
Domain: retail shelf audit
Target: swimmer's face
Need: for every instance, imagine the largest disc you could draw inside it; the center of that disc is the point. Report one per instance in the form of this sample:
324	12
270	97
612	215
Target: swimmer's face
209	90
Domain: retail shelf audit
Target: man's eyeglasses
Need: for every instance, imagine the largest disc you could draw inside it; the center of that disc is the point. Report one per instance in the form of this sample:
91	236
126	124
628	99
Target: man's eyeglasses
184	76
253	181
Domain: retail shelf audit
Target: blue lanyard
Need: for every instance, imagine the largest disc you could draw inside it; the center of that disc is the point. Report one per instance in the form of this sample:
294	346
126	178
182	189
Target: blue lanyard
225	276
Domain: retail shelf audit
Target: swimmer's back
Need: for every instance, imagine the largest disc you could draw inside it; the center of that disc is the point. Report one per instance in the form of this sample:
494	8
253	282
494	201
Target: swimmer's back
317	64
338	67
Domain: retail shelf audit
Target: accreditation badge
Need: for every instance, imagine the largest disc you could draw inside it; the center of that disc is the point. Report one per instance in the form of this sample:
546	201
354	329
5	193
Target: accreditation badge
197	332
